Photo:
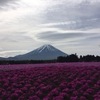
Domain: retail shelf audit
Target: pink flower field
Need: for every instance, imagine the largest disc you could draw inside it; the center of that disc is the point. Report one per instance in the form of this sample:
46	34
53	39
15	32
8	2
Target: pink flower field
59	81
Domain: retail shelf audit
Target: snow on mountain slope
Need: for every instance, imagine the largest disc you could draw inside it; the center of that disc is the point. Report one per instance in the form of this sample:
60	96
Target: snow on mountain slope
45	52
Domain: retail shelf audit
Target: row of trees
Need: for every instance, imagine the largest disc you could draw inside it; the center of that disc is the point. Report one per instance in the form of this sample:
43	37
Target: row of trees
75	58
6	62
69	58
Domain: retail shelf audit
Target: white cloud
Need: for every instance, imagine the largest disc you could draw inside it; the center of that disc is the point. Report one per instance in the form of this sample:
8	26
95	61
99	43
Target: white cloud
24	24
12	53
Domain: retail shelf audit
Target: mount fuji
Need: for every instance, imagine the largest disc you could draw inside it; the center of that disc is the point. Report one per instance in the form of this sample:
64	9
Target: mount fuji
45	52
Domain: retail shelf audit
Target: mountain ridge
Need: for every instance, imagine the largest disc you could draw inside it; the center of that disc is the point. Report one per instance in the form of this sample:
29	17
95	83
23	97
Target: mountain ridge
45	52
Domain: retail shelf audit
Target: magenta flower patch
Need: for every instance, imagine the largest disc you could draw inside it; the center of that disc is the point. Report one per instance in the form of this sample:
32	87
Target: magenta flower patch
65	81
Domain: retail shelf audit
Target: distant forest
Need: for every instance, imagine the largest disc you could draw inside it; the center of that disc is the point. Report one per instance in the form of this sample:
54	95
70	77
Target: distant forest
75	58
69	58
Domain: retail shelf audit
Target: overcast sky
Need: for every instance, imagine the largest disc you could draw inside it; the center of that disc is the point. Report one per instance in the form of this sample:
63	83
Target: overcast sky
72	26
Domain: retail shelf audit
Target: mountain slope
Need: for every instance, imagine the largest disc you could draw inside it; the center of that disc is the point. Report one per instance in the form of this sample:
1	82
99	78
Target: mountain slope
45	52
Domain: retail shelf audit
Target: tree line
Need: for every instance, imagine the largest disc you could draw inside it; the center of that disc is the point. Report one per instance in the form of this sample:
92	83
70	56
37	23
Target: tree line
69	58
75	58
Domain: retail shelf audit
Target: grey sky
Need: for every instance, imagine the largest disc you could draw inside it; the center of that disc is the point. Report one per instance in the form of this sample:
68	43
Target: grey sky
70	25
4	2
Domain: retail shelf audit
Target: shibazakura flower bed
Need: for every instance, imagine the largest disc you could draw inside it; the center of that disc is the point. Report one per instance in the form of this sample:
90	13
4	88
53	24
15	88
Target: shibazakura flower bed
50	82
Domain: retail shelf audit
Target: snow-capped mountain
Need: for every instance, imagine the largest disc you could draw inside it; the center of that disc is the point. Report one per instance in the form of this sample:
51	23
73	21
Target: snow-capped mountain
45	52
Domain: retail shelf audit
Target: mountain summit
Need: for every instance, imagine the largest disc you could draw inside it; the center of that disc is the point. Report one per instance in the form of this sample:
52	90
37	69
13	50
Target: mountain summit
45	52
